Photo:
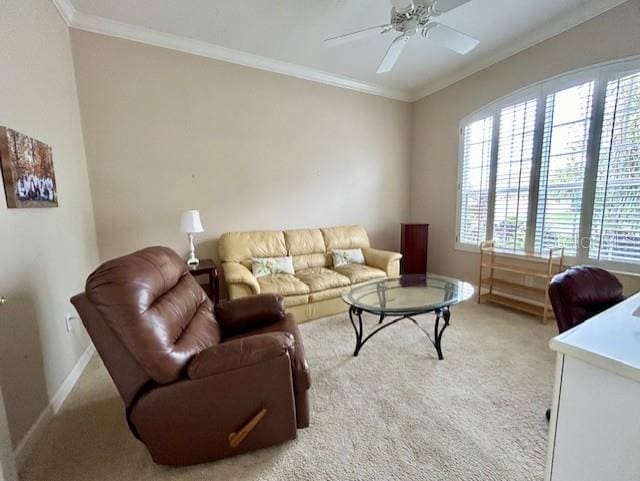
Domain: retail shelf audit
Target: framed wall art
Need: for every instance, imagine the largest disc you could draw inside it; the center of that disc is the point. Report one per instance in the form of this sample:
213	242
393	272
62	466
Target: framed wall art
27	171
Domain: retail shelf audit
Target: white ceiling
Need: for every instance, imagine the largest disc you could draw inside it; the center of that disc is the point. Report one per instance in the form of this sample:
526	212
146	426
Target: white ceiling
286	35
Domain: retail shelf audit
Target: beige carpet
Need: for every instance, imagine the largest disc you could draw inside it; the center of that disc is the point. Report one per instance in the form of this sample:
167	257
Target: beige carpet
393	413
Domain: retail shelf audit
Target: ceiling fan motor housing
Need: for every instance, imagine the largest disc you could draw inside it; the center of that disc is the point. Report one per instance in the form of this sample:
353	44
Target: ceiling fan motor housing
416	18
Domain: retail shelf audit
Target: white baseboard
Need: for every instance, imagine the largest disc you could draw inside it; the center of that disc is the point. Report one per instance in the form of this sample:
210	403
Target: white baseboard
26	445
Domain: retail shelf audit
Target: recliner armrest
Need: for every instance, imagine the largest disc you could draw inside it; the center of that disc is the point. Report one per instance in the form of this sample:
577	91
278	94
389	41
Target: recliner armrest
388	261
248	313
236	273
240	353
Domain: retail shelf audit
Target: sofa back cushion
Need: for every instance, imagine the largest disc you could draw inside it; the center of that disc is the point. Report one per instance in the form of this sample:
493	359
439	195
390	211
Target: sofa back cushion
243	246
345	237
156	309
307	248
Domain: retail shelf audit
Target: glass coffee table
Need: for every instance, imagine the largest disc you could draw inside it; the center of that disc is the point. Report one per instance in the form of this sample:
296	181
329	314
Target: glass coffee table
405	297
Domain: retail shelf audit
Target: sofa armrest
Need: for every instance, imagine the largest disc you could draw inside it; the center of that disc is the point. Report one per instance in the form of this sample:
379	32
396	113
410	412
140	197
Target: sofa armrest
236	273
388	261
240	353
248	313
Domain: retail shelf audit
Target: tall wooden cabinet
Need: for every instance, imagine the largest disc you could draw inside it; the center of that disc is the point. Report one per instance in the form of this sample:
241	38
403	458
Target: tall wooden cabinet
414	244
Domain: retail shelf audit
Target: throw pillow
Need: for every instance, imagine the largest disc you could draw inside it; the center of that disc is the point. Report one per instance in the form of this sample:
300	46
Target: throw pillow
342	257
268	266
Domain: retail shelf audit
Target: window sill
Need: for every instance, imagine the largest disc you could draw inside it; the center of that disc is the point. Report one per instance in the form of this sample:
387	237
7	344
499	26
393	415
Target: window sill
505	253
629	270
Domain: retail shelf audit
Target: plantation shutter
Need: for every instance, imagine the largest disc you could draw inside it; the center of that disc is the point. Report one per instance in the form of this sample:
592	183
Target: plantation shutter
474	186
615	228
513	171
562	168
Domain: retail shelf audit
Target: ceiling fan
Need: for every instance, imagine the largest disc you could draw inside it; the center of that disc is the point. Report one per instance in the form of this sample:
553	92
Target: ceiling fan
410	17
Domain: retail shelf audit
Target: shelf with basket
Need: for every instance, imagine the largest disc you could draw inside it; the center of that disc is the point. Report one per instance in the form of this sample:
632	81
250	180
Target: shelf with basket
514	292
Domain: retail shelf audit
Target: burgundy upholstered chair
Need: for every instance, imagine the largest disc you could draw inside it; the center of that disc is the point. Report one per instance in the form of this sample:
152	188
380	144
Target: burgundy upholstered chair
196	387
582	292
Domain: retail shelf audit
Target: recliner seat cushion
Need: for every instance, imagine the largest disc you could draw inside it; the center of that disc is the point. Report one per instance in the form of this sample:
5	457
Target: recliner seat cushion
156	309
320	279
360	272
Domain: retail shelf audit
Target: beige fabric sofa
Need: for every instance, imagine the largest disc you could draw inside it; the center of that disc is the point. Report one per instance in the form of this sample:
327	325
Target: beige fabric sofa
316	287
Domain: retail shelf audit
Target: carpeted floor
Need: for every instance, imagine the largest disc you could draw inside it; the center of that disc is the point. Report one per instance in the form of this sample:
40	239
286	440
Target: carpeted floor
393	413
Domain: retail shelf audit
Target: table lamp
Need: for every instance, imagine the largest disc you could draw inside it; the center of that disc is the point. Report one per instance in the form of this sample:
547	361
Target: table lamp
190	224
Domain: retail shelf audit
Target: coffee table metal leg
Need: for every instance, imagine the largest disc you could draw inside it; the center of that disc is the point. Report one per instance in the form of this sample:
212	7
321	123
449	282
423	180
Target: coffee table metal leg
354	311
445	315
442	322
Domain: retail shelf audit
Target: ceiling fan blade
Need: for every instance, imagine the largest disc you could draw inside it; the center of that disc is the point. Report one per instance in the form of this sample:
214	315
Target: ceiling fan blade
393	54
442	6
450	38
350	37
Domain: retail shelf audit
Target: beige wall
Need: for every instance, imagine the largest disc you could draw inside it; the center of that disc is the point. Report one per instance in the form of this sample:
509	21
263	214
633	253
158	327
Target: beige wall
615	34
168	131
45	254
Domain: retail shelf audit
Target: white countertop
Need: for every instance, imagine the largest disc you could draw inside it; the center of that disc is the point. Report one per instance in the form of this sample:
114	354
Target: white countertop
610	340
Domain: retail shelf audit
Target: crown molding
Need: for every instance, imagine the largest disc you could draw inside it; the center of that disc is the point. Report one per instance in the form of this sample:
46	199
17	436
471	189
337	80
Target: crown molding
592	10
104	26
65	9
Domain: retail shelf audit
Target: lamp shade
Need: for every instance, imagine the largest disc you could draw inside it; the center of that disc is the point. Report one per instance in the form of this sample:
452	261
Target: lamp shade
190	222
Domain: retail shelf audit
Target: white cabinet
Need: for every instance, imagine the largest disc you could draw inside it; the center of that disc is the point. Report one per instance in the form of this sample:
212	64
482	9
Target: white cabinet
595	421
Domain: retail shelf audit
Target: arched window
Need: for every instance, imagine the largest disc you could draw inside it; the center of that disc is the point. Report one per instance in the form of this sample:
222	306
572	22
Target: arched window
556	164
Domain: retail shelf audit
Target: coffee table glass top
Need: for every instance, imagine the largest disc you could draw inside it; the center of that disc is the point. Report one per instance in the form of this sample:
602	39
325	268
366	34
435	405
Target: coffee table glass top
409	293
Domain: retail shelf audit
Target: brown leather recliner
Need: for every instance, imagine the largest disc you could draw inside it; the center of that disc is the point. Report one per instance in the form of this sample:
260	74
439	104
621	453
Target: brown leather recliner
190	381
581	292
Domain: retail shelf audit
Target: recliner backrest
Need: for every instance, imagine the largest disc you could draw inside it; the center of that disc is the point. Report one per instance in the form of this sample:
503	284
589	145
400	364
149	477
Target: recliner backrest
127	374
156	309
582	292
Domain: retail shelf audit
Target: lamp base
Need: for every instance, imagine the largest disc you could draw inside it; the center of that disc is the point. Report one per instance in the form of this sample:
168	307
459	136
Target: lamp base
192	260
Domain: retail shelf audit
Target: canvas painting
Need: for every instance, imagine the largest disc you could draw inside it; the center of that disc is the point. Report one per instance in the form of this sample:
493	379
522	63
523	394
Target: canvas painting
27	171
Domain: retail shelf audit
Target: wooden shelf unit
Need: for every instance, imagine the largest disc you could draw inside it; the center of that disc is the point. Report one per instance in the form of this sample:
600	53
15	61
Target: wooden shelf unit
536	302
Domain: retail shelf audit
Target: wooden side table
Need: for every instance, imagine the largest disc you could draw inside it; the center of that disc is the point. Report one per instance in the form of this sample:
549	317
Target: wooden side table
209	268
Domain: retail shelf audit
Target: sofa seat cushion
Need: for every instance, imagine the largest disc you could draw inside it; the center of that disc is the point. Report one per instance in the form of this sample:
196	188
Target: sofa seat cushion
285	284
321	279
298	300
328	294
360	273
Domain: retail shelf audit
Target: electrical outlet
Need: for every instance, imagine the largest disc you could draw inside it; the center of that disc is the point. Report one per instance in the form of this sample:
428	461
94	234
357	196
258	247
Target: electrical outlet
528	281
67	322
